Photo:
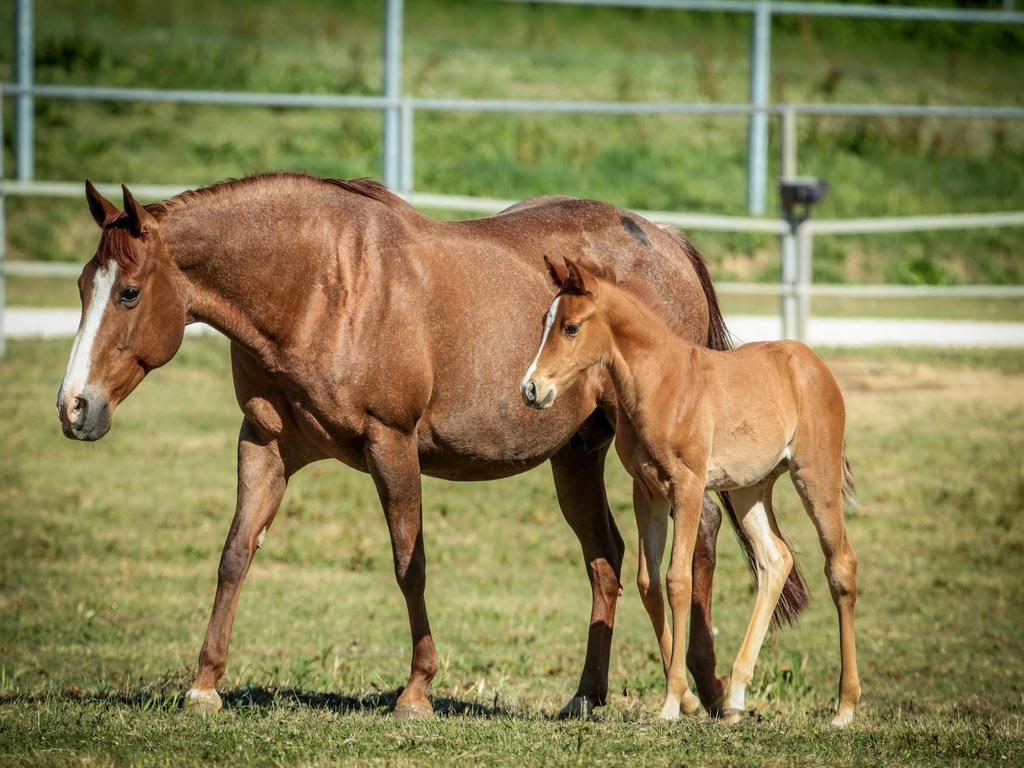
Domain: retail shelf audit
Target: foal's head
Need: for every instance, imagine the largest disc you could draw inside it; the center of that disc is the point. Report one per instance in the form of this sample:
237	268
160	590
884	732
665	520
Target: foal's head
133	316
576	335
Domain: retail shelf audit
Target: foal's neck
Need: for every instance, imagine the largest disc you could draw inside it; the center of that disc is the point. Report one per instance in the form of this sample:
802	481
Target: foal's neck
646	350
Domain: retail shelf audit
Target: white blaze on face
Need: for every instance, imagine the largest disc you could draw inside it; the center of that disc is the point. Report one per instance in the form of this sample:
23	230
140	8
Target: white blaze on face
549	321
76	377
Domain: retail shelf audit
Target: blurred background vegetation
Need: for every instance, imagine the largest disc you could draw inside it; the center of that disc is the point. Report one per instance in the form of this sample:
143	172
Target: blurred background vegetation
489	50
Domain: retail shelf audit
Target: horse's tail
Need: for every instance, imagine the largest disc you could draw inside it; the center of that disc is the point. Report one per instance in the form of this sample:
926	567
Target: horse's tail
718	334
794	597
849	486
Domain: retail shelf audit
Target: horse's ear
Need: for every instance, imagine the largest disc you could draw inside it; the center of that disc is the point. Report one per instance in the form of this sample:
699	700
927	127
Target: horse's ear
100	208
580	279
140	221
558	272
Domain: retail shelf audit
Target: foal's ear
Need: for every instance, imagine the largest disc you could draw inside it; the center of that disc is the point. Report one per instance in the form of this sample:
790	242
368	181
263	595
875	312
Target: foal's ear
580	279
558	272
140	221
100	208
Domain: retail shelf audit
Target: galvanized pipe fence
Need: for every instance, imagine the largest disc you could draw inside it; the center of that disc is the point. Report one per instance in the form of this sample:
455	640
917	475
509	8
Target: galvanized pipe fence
398	110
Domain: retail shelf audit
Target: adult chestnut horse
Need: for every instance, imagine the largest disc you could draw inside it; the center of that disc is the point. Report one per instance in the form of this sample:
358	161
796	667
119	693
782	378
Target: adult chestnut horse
366	332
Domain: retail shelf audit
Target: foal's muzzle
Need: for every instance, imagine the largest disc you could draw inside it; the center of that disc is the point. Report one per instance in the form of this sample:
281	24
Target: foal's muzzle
85	417
536	396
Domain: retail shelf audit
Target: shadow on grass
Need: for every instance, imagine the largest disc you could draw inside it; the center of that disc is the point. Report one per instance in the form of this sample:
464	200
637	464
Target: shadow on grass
262	697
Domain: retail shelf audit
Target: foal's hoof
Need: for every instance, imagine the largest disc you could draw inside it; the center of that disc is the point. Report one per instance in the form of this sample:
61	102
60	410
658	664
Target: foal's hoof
412	711
202	701
578	708
670	710
843	718
732	716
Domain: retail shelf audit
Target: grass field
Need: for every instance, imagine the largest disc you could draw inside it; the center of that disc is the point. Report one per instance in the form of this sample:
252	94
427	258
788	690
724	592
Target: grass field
108	562
488	50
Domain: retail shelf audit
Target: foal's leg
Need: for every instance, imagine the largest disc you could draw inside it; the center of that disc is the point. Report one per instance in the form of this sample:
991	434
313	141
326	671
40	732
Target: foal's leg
820	491
687	501
773	561
579	483
652	528
262	476
393	462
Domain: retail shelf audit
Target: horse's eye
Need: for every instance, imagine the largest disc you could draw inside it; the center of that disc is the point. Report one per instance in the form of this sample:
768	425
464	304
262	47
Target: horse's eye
571	329
129	296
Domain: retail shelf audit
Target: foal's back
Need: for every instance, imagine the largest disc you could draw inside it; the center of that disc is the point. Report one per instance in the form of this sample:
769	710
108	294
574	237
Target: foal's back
764	400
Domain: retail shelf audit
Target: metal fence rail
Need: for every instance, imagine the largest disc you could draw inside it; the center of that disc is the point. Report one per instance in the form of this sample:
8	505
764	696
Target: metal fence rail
398	123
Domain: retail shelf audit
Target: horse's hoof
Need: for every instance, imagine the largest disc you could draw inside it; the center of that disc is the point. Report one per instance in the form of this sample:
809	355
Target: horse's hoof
412	712
578	708
203	701
843	718
732	716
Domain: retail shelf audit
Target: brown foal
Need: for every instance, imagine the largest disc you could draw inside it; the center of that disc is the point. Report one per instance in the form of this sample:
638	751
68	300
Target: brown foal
692	419
366	332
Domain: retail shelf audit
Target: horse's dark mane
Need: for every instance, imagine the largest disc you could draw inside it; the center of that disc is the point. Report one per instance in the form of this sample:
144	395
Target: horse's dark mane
115	242
363	186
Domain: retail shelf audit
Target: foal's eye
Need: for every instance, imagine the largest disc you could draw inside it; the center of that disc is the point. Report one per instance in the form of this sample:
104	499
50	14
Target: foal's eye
129	296
571	329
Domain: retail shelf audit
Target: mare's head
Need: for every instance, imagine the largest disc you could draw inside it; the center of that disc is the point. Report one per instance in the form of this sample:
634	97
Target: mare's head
576	335
133	316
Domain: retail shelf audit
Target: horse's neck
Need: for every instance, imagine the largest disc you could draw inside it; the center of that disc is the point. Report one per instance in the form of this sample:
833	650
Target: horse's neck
250	269
646	352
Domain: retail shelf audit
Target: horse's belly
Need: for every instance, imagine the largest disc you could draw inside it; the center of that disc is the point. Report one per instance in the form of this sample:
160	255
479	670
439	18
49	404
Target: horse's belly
486	444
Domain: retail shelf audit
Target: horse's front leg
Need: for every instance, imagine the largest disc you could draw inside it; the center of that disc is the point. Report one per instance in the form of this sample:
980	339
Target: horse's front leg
262	477
393	462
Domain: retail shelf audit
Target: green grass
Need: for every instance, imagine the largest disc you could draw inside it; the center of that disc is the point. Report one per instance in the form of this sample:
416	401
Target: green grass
481	49
109	557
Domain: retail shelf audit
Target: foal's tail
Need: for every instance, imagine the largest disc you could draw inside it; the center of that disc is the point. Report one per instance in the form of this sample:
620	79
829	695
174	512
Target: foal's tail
794	597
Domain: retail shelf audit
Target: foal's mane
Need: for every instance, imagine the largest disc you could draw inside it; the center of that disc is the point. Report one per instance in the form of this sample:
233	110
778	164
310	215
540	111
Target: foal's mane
639	289
115	242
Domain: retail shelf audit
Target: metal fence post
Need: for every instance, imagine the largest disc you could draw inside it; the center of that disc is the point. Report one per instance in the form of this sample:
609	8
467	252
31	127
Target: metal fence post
788	309
406	174
804	277
760	71
23	106
392	90
3	238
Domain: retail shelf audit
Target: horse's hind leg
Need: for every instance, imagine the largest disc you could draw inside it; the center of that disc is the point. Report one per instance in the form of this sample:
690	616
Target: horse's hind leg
820	492
773	562
579	483
700	653
652	528
261	482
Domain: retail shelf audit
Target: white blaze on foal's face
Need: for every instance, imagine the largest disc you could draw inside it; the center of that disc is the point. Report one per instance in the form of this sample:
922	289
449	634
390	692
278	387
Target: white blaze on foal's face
535	390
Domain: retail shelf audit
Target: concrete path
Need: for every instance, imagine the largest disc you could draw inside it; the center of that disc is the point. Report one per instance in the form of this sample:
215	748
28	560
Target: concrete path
824	331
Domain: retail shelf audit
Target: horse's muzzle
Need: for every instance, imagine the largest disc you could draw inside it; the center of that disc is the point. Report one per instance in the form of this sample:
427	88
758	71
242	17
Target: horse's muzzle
86	417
